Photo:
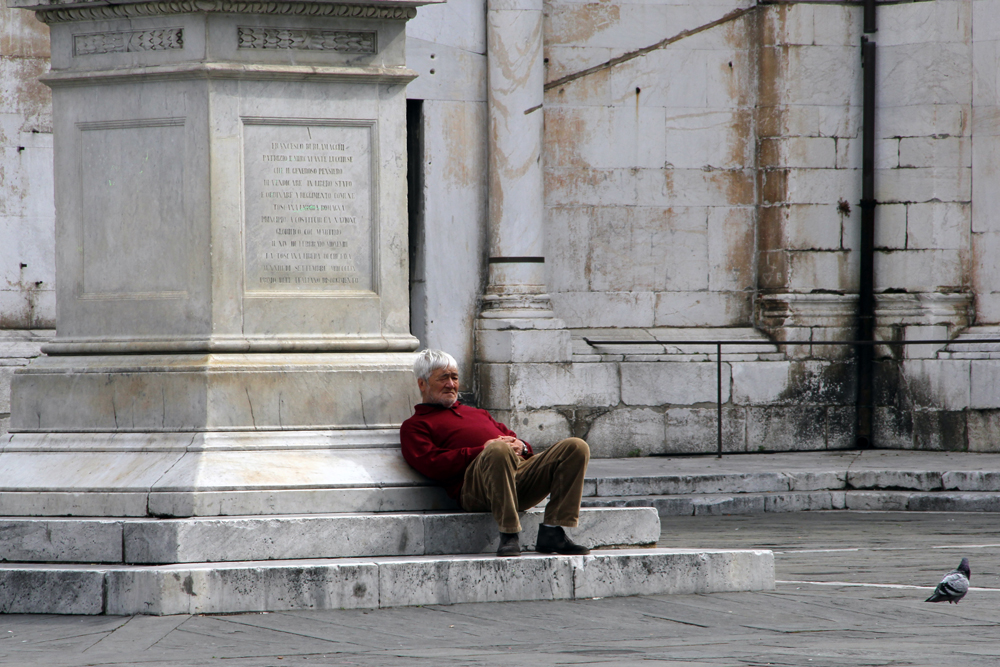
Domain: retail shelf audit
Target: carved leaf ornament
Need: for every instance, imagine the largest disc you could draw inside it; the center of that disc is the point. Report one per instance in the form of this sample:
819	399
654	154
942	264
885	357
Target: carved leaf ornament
306	39
133	10
124	42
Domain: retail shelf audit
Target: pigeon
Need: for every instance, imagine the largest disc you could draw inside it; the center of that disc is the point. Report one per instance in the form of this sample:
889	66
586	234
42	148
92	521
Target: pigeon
954	586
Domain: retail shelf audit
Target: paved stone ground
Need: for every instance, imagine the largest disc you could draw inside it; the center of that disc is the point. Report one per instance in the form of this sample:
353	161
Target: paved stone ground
852	593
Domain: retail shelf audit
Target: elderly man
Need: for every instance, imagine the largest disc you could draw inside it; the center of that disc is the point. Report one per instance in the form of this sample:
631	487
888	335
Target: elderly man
484	466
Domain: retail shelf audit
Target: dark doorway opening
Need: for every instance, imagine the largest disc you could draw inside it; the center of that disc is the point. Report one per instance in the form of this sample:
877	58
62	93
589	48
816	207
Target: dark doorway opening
415	213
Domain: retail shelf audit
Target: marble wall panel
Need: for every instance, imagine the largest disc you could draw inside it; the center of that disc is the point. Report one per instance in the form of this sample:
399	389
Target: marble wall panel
567	247
920	120
605	309
731	248
545	385
672	383
926	23
890	226
460	24
27	212
924	184
627	432
912	74
715	138
448	272
921	270
938	225
699	309
782	119
938	384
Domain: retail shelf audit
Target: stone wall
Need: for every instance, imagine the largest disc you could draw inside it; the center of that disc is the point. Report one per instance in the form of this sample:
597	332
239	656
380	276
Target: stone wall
715	182
27	210
702	181
650	165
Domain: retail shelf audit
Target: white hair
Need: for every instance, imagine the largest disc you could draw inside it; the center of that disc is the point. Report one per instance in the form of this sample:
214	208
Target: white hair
429	361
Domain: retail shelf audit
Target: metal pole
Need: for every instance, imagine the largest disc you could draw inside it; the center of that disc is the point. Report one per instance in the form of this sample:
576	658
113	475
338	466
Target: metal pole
866	288
718	398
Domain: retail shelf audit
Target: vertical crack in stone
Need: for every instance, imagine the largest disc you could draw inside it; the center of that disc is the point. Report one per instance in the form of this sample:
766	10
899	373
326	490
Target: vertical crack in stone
250	403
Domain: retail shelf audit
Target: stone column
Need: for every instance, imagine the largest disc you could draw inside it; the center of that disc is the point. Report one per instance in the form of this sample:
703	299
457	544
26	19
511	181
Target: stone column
517	322
233	325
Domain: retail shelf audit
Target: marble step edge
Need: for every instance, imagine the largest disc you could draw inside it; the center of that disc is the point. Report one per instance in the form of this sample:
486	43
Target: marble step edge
819	480
162	541
213	588
804	501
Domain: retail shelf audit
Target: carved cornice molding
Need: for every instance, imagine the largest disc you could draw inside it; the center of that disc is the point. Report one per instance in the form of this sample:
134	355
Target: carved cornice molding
169	7
840	310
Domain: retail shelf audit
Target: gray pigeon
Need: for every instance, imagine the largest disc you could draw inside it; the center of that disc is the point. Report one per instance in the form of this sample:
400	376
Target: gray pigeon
954	586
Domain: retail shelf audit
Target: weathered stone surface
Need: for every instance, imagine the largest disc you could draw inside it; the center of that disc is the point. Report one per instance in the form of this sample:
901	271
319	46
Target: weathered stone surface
166	541
287	537
939	384
760	383
298	501
524	346
954	502
217	589
985	385
50	590
637	573
894	479
545	385
477	533
785	429
803	501
695	430
971	480
675	384
816	481
451	580
82	503
627	432
879	501
984	430
382	582
707	483
54	540
737	504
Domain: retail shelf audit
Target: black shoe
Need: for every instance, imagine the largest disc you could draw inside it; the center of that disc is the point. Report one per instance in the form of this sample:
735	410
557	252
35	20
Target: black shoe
553	540
509	545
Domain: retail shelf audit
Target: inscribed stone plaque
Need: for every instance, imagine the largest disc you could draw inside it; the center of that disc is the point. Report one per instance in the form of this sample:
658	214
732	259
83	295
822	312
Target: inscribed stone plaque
309	205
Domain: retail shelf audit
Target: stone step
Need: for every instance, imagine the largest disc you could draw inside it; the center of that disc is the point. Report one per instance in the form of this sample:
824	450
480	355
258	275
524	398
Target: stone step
213	588
806	480
204	539
803	501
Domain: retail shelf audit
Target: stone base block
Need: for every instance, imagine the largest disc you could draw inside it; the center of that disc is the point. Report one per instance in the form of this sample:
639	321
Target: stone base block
211	474
379	582
165	541
213	392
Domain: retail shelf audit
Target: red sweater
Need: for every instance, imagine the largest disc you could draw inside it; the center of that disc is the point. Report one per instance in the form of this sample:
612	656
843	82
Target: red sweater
441	442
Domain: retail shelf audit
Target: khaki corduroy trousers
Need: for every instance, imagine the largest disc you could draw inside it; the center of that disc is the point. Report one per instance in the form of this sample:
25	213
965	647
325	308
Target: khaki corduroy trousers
501	482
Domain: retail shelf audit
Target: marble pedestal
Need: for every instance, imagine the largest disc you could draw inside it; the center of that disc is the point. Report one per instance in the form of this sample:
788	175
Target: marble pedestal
232	260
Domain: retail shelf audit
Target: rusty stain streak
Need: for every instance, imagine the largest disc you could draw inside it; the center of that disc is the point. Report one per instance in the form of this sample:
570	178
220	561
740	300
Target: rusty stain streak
631	55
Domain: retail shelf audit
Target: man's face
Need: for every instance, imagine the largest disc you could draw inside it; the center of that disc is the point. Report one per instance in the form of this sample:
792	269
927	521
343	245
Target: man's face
441	387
